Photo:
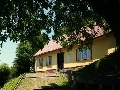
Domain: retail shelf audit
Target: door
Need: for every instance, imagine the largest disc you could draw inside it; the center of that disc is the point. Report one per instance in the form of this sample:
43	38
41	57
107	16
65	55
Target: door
60	61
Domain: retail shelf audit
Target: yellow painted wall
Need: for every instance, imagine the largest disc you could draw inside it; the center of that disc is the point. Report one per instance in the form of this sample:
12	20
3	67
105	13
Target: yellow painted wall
101	46
111	43
44	56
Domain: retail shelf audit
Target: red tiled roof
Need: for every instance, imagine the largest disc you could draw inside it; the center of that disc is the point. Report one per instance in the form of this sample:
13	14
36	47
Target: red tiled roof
97	31
51	46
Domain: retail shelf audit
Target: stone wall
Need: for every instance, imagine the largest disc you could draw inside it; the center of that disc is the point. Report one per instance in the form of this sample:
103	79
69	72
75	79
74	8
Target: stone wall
87	81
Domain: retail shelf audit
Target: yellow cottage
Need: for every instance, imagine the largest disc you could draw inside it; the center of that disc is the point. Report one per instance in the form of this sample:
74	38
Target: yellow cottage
53	56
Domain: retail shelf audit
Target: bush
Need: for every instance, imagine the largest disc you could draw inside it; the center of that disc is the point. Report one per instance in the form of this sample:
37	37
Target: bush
4	74
11	84
109	65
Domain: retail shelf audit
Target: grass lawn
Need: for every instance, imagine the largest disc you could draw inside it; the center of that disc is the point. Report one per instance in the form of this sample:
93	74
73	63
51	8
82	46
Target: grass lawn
42	81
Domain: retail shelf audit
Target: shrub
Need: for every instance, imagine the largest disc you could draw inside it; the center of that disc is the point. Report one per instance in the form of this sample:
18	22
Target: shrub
4	74
109	65
11	84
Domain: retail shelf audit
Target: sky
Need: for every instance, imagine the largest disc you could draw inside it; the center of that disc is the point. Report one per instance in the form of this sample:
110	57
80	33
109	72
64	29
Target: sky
8	52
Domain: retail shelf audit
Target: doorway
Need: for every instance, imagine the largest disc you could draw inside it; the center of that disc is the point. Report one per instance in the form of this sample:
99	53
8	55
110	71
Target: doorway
60	61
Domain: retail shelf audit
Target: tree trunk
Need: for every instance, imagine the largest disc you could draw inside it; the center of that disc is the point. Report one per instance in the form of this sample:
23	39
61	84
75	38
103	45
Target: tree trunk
109	10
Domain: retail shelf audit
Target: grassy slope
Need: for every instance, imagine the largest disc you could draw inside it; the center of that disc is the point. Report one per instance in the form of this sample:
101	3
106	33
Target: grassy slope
42	81
11	84
109	65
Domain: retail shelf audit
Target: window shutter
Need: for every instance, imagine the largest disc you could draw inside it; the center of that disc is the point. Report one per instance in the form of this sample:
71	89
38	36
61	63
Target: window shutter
50	59
47	61
39	62
88	54
68	58
76	54
79	55
42	62
84	54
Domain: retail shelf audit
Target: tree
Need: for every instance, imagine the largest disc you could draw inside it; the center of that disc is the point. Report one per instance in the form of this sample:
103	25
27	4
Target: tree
4	74
24	61
109	11
25	19
22	20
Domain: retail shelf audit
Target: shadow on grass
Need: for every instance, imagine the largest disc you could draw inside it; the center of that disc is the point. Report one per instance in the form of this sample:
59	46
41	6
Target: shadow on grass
54	86
53	76
31	77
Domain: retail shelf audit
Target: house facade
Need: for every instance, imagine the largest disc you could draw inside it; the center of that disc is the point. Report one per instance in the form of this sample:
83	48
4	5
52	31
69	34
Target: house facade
53	56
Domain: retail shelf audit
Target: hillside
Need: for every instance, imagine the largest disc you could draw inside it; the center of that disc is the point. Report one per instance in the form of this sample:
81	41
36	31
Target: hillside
42	80
10	85
109	65
33	81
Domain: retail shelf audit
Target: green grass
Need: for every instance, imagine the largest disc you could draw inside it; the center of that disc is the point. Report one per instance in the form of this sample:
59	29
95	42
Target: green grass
11	84
60	82
42	81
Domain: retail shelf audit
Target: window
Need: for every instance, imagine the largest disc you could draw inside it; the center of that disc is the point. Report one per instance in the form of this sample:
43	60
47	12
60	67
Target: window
48	60
41	62
84	54
68	58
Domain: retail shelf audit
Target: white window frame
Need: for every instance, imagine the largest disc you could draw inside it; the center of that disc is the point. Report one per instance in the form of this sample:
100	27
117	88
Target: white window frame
84	54
49	61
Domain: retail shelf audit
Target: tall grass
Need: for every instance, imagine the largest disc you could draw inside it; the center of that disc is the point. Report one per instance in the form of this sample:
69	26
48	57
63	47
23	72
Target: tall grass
11	84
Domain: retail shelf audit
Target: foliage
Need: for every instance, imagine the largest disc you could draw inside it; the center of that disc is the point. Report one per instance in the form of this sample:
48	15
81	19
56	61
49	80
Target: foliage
11	84
24	60
108	65
22	20
72	18
4	73
25	20
106	11
13	72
